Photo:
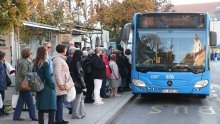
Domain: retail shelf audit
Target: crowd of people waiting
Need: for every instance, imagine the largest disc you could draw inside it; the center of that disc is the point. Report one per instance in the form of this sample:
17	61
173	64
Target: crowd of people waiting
96	74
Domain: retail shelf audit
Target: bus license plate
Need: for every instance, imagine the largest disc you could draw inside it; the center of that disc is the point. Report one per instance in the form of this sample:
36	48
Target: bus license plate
170	91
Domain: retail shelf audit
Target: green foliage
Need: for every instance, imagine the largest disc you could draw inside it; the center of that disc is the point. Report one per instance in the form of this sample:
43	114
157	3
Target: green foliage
12	13
54	13
115	15
26	33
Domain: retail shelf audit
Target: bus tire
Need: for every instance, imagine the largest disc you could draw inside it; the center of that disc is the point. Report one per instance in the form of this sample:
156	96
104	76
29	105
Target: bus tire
143	95
202	96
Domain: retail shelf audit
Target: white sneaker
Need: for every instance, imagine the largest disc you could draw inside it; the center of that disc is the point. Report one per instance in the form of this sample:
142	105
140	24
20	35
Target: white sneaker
98	103
101	102
117	95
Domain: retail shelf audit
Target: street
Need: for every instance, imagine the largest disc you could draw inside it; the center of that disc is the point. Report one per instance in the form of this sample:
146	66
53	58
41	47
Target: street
170	109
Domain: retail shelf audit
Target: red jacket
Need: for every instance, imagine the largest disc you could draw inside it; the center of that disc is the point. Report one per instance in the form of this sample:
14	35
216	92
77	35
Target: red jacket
107	67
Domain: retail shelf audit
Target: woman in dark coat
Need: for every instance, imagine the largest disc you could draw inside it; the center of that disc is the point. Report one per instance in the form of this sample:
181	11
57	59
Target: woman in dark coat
124	68
98	73
77	75
88	76
45	99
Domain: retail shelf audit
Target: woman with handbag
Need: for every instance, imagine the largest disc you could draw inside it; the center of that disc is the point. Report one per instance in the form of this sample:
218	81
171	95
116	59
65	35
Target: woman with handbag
25	97
77	74
3	81
63	80
46	98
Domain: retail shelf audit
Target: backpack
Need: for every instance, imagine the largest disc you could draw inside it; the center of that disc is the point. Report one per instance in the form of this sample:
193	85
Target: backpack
87	66
34	81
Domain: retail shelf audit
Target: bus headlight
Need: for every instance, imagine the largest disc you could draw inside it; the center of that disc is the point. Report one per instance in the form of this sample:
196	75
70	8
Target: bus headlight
139	83
201	84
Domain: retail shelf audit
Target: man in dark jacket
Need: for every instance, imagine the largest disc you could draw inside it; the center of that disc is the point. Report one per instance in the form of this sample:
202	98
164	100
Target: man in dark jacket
124	68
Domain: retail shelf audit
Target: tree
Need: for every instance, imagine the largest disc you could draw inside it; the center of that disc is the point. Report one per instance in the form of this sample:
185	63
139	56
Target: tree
162	5
115	15
12	13
54	13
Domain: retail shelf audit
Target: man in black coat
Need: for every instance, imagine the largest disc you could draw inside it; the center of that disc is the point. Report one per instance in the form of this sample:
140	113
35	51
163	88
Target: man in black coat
124	70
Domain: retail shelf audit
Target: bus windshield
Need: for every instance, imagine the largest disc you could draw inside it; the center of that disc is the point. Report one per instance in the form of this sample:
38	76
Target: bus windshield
171	50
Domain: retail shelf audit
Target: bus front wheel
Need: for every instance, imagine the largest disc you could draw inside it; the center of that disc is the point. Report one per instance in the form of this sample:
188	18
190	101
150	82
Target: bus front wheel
202	96
144	95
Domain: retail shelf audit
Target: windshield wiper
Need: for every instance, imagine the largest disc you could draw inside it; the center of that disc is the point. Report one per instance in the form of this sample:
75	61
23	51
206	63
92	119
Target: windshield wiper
154	68
181	66
186	68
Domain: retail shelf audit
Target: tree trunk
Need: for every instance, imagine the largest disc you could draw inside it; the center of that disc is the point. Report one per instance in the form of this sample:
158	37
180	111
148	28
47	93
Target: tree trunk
90	38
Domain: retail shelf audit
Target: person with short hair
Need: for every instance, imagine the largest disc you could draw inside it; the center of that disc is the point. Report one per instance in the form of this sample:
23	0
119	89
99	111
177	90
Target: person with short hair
70	45
3	82
71	52
25	97
115	76
63	80
88	76
98	73
124	70
47	46
128	78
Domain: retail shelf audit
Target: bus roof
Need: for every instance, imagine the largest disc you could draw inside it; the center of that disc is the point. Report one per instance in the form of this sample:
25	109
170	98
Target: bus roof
143	13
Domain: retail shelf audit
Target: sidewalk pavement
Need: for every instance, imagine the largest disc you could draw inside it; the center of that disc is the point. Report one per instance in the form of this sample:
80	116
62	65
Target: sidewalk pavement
95	114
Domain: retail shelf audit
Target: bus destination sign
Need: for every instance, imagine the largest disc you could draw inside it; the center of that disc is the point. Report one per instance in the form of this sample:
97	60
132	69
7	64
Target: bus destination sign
171	20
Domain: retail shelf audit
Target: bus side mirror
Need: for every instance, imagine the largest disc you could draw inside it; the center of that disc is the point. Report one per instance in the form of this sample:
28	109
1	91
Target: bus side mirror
126	32
212	38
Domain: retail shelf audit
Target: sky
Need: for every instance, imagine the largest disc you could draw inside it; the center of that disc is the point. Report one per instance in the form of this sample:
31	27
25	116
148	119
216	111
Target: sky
179	2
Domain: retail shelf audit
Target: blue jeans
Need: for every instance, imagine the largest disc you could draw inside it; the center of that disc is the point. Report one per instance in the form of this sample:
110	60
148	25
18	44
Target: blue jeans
59	112
25	97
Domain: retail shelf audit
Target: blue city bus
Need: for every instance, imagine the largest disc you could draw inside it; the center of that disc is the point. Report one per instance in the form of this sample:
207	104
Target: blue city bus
170	53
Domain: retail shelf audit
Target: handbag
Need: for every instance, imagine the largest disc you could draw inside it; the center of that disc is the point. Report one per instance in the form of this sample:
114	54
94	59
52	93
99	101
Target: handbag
34	81
69	83
8	79
71	94
24	86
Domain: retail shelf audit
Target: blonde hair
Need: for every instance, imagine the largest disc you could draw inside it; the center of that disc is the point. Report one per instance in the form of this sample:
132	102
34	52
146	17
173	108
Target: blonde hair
71	43
98	49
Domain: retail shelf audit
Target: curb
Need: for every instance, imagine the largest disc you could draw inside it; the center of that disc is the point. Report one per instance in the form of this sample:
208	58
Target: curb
117	109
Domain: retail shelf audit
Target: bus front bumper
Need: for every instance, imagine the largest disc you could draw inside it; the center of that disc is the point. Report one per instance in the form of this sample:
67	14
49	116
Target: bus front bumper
177	90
